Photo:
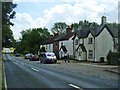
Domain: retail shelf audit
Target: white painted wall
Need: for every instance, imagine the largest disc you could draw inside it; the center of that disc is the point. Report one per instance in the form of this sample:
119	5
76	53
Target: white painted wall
89	46
79	54
49	47
75	47
69	46
104	43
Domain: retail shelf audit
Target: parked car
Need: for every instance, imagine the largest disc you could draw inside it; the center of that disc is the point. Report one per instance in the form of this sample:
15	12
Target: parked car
17	55
34	58
28	55
48	57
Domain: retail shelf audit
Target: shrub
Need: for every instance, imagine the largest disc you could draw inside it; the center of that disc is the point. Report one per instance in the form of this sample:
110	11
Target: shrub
113	58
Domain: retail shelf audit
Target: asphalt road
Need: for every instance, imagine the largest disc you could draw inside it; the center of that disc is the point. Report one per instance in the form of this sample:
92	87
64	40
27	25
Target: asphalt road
26	74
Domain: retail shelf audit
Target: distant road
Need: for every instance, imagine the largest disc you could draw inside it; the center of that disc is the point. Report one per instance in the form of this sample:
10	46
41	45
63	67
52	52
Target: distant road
26	74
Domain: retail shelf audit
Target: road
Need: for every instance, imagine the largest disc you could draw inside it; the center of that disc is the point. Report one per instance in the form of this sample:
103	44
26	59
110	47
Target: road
21	73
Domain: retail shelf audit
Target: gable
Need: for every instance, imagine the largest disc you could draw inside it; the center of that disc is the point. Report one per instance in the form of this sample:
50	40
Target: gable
103	27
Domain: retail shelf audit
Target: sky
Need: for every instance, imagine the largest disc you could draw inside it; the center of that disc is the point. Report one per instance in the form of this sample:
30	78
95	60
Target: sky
39	13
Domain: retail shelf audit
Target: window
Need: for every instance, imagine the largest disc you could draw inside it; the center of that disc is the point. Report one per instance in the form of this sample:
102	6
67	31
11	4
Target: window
79	53
76	42
90	54
90	40
116	40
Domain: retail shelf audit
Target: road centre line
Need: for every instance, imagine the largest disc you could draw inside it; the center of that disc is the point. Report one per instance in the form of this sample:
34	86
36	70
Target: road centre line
22	63
14	62
35	69
76	87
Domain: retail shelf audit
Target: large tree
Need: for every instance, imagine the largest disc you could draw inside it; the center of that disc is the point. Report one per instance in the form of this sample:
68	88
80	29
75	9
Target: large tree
31	40
8	13
59	27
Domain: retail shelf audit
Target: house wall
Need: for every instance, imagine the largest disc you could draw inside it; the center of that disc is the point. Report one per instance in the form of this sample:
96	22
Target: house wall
103	44
49	47
89	47
79	54
69	46
56	49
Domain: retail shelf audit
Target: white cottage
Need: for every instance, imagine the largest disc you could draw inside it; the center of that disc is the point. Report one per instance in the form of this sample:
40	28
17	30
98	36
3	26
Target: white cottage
66	43
93	44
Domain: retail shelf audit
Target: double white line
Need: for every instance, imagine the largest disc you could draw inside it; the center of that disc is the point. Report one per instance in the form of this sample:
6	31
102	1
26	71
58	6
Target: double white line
34	69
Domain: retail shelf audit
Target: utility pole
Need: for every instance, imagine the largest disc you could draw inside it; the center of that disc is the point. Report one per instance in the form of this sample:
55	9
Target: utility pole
0	30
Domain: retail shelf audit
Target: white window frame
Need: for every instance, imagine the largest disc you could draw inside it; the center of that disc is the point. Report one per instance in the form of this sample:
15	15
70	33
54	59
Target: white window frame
76	42
90	54
90	40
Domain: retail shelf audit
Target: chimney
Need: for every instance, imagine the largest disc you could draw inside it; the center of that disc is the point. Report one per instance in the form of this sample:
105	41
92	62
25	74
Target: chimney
103	20
51	36
68	30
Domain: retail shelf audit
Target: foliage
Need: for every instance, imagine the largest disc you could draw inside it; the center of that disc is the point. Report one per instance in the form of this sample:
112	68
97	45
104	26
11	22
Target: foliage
83	25
119	38
31	40
113	58
42	49
7	14
59	27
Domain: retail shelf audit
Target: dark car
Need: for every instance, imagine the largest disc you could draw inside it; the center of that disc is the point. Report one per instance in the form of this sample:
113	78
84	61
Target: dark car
34	58
48	57
17	55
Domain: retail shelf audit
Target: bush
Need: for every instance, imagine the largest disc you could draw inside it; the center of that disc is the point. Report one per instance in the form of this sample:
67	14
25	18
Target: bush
113	58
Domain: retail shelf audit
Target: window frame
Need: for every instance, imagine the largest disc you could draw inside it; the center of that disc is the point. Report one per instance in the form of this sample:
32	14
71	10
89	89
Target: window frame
90	40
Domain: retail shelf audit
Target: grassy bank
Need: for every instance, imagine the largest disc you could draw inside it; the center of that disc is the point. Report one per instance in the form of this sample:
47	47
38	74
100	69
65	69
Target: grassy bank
0	74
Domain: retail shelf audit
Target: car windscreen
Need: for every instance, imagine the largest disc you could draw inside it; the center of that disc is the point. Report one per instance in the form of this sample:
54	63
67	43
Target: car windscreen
50	54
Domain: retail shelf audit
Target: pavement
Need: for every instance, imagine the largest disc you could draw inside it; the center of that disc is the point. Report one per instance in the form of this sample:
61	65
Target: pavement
109	68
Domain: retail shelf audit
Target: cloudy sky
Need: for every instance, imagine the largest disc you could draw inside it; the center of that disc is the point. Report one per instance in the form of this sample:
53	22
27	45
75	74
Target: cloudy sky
39	13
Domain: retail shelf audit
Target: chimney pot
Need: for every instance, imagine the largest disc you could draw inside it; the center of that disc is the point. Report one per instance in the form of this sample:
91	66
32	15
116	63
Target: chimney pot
103	20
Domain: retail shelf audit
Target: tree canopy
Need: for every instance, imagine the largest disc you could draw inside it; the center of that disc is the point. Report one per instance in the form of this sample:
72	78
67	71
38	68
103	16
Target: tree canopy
59	27
31	39
8	13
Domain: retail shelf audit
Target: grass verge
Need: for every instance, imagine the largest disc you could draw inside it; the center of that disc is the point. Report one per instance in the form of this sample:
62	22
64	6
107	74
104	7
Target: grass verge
1	62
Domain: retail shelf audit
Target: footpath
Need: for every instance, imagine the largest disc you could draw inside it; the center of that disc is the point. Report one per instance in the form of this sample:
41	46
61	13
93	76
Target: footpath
110	68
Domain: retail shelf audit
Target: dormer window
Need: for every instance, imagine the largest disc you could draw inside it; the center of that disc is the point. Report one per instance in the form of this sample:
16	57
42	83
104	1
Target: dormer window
90	40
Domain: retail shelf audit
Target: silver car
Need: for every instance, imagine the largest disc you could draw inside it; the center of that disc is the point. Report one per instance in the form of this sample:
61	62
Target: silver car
48	57
28	55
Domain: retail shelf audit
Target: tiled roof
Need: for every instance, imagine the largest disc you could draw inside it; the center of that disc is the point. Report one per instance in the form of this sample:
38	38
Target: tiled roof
95	31
66	36
49	40
62	37
82	47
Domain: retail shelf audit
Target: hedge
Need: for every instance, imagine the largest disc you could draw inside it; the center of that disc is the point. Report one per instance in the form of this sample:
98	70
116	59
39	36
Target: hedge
113	58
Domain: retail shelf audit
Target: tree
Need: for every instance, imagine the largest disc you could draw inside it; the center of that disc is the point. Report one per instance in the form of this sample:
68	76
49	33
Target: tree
59	28
83	25
7	14
31	39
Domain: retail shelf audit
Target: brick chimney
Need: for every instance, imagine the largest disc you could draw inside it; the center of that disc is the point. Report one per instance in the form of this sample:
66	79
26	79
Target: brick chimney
103	20
68	30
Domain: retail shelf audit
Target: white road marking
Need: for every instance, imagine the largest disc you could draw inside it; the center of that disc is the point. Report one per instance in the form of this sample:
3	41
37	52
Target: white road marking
5	81
35	69
76	87
22	63
15	63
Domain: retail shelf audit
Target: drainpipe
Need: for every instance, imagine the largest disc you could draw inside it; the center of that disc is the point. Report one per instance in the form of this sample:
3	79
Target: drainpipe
73	49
